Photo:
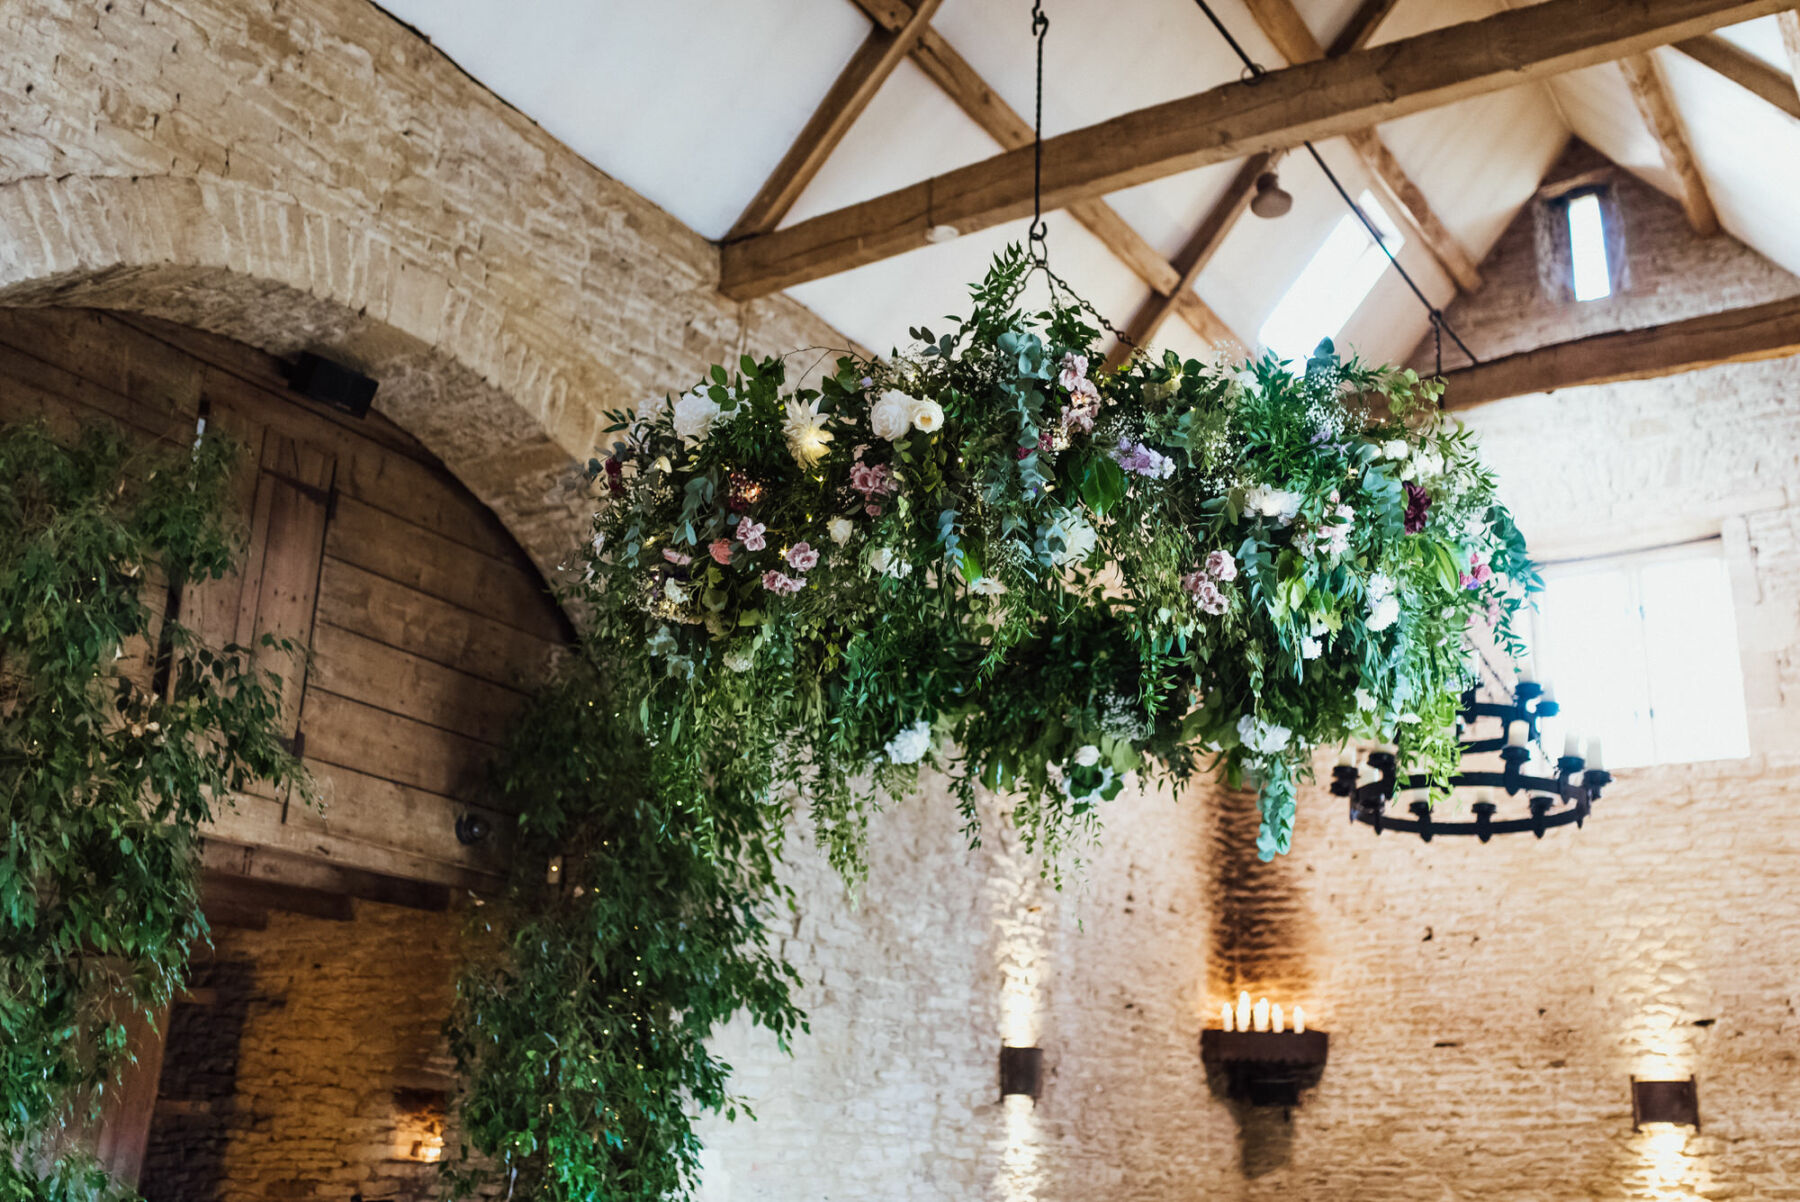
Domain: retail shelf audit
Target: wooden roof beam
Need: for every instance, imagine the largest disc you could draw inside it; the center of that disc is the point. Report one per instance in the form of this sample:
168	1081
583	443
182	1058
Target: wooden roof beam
1281	109
1283	25
1745	70
1210	234
1658	112
1790	39
947	68
1768	331
856	85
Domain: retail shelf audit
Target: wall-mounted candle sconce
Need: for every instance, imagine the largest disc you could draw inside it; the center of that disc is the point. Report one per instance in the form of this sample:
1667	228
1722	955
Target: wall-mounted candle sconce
1261	1062
1676	1102
1021	1072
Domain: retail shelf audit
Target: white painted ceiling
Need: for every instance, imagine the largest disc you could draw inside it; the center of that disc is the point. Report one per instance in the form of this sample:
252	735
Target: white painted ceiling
693	102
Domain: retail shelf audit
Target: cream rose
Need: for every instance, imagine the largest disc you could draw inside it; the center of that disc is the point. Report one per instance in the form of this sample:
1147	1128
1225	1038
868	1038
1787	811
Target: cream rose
891	415
695	413
927	416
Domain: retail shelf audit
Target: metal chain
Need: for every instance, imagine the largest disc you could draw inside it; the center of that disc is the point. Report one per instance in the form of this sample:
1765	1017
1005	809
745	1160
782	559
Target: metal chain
1038	239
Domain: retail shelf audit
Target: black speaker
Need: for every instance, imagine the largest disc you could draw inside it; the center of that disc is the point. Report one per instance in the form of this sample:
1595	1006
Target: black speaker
319	379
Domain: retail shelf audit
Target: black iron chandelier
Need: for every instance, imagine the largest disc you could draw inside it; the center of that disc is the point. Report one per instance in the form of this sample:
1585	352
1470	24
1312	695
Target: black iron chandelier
1553	797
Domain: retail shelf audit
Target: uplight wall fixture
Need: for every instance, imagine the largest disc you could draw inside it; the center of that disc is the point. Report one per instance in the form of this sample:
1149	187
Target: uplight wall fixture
1555	795
1673	1102
1021	1072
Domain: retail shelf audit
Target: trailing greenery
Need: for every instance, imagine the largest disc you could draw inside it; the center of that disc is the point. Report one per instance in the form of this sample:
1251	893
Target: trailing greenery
980	556
103	782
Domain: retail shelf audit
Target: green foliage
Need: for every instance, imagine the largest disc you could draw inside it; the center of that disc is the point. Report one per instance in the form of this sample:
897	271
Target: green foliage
581	1032
976	556
103	782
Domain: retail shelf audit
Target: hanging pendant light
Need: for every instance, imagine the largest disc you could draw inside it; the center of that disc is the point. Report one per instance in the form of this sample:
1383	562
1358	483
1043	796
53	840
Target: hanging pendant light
1271	199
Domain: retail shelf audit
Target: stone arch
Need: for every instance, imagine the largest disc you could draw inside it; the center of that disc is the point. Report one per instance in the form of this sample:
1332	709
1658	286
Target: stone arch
507	415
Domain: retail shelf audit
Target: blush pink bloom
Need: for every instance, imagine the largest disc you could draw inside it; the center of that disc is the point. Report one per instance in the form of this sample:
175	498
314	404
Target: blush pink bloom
754	535
1192	581
676	557
873	511
1479	573
781	582
720	550
1221	566
871	481
1210	599
802	558
1074	371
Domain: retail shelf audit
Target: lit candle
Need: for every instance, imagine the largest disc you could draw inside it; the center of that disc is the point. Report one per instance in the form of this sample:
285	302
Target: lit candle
1515	734
1225	1016
1260	1014
1571	746
1594	759
1527	675
1276	1019
1243	1010
1299	1021
1347	757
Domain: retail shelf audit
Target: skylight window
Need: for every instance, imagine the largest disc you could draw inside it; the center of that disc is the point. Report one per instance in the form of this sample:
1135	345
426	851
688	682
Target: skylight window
1330	288
1587	248
1643	651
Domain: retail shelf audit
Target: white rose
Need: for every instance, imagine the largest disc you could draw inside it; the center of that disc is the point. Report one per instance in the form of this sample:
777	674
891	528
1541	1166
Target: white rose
1429	463
1311	648
1087	756
1380	585
695	413
1395	448
891	415
1384	613
740	660
927	416
840	530
910	745
1364	700
1076	535
885	561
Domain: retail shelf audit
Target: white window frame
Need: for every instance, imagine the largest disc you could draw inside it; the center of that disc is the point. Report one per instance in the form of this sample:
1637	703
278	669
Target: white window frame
1632	565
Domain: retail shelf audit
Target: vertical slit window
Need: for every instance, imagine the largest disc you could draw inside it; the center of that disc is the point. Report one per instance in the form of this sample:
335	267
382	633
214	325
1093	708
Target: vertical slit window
1592	274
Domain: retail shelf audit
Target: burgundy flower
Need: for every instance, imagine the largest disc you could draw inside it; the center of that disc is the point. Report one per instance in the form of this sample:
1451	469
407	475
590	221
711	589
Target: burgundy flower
1418	504
615	477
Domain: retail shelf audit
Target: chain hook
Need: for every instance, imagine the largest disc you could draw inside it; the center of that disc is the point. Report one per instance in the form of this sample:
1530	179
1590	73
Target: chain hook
1038	239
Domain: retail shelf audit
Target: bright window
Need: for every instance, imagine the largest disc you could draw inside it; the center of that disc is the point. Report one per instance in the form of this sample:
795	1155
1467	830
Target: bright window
1643	652
1587	248
1333	283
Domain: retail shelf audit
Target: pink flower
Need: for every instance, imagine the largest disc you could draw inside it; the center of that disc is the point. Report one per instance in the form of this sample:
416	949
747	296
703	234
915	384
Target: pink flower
1078	418
1074	371
1478	574
676	557
1088	392
720	550
802	557
781	582
1210	599
753	535
1192	581
873	511
871	481
1221	566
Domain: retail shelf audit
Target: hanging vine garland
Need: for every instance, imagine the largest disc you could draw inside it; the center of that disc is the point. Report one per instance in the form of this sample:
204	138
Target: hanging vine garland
986	558
981	557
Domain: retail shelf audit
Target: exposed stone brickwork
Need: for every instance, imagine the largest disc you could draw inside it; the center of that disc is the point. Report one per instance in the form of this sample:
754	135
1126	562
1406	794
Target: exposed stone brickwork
310	1064
312	173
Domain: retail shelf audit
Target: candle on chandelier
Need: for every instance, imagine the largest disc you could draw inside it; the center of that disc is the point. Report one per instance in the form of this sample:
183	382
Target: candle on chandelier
1347	757
1571	746
1259	1014
1515	734
1243	1010
1594	759
1548	696
1277	1020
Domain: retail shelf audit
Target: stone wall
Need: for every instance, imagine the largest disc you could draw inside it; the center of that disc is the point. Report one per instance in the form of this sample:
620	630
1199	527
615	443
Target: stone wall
311	173
308	1063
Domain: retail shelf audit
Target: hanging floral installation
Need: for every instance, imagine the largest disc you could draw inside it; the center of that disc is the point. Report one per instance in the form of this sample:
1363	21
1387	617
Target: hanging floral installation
991	558
984	557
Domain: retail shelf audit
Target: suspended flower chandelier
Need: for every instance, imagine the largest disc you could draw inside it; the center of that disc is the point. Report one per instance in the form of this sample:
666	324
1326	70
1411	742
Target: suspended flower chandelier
1554	794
